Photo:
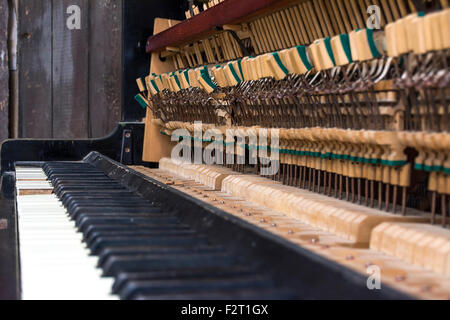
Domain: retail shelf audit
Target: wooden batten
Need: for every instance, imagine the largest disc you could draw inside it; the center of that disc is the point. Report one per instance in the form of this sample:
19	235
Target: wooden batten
156	145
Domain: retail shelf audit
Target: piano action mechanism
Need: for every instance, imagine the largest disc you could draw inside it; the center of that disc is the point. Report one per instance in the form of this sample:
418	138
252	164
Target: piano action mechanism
362	118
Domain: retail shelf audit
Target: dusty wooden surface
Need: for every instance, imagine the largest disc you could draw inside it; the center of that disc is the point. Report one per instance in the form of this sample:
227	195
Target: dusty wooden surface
105	70
4	78
70	80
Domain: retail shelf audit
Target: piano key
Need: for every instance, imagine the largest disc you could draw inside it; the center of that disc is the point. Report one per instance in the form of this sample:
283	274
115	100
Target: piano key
149	287
186	273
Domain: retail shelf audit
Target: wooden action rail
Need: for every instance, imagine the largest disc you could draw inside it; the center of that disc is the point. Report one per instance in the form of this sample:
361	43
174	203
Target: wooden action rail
428	281
266	26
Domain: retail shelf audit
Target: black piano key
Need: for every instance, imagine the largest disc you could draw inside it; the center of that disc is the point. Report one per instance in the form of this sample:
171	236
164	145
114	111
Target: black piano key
146	226
60	193
92	195
158	287
105	202
239	294
107	242
186	273
137	233
112	210
67	176
105	218
107	253
56	182
133	263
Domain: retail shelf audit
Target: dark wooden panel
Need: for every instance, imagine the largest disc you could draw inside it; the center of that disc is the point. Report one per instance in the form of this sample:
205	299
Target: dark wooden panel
35	61
227	12
4	71
70	72
105	66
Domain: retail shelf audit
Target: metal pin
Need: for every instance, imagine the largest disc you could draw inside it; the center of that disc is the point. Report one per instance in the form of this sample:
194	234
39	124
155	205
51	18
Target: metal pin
444	210
313	181
329	183
300	177
319	178
372	193
352	180
295	176
359	191
433	207
380	195
309	178
404	195
291	174
387	196
394	200
366	192
346	189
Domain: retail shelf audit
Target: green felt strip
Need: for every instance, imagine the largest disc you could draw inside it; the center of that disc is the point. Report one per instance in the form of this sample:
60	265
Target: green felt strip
345	42
280	63
329	50
205	75
240	68
233	72
177	81
141	101
301	50
394	163
154	85
372	45
186	76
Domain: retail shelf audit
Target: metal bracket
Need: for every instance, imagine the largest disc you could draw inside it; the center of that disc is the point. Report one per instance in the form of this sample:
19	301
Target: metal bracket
126	157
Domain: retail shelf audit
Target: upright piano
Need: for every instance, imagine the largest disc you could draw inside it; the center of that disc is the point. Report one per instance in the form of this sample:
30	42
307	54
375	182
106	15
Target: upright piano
347	99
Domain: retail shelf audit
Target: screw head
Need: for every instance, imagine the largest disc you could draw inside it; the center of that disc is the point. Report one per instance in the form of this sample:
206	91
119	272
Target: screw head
400	278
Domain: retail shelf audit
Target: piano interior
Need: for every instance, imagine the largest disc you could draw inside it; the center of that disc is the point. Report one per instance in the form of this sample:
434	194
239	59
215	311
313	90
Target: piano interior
291	149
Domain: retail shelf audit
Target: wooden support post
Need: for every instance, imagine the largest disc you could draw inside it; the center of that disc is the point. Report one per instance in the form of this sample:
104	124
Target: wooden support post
157	146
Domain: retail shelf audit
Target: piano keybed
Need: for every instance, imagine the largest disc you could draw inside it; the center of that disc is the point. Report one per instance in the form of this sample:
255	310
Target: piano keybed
413	257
